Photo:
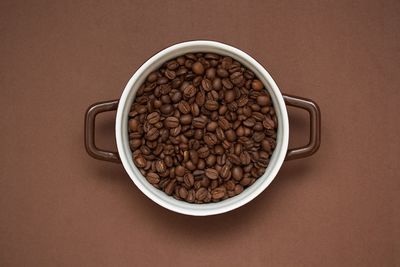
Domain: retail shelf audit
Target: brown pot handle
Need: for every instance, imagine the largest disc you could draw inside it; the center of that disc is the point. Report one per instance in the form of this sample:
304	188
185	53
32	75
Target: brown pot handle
315	127
90	118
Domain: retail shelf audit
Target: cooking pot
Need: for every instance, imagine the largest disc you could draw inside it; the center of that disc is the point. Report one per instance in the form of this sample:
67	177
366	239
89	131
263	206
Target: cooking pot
124	153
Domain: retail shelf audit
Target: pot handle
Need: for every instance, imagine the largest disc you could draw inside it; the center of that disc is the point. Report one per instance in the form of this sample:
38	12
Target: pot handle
315	127
90	118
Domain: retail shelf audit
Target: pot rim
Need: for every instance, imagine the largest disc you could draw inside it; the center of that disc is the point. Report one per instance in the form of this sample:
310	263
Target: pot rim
122	139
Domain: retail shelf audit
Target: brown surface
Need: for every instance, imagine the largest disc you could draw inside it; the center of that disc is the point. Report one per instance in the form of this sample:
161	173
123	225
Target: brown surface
59	207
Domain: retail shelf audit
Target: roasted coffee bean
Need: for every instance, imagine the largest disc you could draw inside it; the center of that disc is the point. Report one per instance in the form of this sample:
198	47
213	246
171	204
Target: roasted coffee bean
230	135
220	134
218	192
152	134
224	123
226	172
153	117
217	84
263	100
238	189
245	158
202	128
237	173
153	178
171	122
237	77
135	143
212	126
201	193
186	119
227	83
169	189
140	161
257	85
234	159
211	105
230	95
195	110
222	73
200	122
210	139
133	125
212	173
198	68
180	170
210	74
160	166
203	152
189	91
268	123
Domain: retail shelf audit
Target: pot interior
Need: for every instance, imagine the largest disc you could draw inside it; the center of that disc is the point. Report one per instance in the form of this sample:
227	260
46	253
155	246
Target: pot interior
122	137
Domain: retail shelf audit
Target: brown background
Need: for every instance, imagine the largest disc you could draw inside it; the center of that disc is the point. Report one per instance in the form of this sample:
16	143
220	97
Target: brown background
59	207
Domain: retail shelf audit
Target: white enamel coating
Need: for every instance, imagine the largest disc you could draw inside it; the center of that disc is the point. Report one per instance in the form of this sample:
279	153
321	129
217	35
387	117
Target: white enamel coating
121	129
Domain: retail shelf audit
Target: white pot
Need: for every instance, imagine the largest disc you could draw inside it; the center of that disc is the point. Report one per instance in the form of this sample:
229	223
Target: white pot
121	129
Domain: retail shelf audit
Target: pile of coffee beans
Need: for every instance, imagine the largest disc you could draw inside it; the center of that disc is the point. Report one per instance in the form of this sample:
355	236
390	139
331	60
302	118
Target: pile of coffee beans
202	128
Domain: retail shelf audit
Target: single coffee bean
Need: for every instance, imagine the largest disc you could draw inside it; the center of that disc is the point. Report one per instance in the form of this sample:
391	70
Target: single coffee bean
201	165
210	139
211	174
133	125
171	122
170	187
211	160
224	123
186	119
140	161
266	146
210	74
198	68
237	77
237	173
180	170
263	100
153	178
188	180
194	108
218	192
167	109
201	193
230	135
160	166
222	73
211	105
172	65
200	122
189	91
152	77
238	189
183	193
217	84
226	172
230	95
212	126
184	107
227	83
257	85
206	84
194	156
203	152
153	117
135	143
200	98
152	134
